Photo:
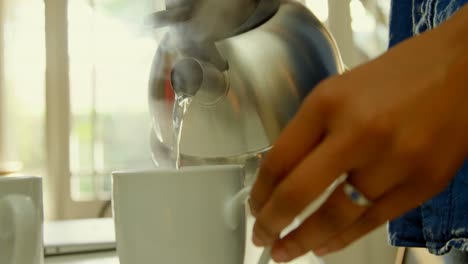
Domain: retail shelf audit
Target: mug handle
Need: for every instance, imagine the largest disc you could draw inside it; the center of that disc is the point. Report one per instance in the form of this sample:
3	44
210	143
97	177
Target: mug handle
235	206
21	209
232	213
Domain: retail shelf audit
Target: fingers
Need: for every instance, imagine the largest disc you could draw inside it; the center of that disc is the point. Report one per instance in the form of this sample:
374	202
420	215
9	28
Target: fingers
392	205
301	135
302	186
337	214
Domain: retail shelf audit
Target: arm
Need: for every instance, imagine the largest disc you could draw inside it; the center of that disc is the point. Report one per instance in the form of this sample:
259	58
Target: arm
386	123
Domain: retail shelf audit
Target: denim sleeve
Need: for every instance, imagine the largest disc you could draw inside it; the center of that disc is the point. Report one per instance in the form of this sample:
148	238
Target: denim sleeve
441	223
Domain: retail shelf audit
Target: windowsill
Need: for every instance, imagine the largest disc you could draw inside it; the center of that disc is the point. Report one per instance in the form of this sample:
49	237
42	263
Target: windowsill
10	167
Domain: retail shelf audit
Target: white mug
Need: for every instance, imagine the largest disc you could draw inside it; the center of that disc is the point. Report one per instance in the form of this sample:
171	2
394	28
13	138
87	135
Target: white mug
21	218
193	215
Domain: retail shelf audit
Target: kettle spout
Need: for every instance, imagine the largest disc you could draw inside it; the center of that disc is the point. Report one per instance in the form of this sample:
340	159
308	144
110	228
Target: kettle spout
201	80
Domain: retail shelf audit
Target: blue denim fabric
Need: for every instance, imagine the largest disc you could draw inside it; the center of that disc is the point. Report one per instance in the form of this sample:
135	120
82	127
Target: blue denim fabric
441	223
412	17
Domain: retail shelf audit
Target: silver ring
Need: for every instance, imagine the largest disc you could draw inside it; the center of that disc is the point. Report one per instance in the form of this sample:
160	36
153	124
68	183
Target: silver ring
355	195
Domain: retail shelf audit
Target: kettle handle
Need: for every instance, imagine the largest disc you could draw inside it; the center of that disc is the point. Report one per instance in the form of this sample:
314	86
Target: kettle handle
21	210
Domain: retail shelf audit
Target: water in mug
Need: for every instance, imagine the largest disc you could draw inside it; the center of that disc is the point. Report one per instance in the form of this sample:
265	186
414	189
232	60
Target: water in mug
180	109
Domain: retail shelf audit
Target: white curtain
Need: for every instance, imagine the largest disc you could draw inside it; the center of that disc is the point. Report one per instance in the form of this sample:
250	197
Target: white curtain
2	96
6	157
21	78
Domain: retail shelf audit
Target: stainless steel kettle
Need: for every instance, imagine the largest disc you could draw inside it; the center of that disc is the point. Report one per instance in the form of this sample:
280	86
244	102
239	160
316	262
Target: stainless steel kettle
247	64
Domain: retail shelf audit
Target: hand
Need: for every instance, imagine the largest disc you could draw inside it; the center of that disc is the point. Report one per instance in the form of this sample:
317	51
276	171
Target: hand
398	125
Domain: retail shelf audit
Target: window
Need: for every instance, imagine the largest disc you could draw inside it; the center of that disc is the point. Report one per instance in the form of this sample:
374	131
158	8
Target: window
370	21
319	8
367	29
110	59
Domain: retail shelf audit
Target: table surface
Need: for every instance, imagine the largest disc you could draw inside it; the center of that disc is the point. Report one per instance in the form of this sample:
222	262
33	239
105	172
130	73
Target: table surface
92	258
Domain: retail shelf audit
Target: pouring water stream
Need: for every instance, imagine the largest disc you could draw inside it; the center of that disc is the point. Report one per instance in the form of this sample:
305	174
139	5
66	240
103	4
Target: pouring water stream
181	105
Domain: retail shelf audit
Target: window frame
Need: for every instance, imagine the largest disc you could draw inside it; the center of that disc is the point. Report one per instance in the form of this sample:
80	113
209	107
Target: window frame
57	183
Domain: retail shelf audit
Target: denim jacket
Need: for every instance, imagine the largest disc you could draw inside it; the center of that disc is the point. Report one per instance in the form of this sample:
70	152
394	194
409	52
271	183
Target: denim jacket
441	223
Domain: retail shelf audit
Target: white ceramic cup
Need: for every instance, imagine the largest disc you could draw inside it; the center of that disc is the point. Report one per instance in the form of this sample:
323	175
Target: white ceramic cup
193	215
21	217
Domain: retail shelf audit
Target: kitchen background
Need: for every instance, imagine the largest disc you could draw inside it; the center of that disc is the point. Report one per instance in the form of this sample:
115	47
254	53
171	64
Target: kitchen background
73	98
